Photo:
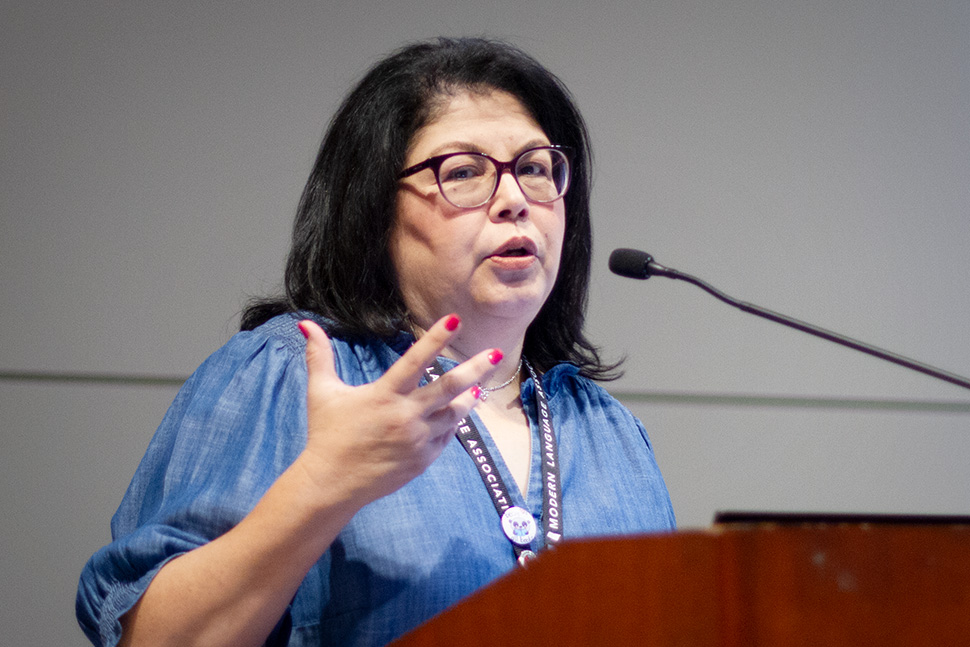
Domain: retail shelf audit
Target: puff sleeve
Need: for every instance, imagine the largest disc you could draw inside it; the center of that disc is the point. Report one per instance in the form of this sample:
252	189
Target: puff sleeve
235	426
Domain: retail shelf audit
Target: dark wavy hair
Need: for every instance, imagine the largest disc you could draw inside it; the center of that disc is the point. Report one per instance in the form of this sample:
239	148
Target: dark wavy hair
339	265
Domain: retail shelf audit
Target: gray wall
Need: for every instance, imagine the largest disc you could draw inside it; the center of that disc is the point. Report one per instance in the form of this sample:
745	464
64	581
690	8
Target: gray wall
813	158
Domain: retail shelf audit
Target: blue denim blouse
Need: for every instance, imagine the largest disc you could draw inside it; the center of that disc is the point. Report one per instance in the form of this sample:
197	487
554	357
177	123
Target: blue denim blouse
240	420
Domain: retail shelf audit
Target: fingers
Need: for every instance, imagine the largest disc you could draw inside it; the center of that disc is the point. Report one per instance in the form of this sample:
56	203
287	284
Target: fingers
461	380
443	403
405	375
446	419
450	391
319	354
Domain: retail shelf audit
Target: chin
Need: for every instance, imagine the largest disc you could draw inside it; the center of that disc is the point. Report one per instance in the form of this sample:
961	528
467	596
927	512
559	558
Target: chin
518	303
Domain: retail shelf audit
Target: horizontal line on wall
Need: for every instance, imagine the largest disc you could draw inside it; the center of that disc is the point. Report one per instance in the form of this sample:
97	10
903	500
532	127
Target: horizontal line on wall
93	378
793	401
654	397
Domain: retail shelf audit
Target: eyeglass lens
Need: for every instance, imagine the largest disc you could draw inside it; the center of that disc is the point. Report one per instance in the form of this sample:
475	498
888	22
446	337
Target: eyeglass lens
470	180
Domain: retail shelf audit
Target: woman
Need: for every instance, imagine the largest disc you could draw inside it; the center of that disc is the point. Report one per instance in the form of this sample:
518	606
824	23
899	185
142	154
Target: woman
309	487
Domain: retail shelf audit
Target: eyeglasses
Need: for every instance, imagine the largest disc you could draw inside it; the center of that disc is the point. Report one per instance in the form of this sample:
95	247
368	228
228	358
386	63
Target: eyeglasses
470	180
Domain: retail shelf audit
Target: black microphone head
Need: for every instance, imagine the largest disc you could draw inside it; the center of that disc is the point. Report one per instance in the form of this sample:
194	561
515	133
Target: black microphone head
631	263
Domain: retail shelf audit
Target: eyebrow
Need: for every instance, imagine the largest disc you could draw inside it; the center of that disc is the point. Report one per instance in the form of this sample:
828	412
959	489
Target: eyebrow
459	146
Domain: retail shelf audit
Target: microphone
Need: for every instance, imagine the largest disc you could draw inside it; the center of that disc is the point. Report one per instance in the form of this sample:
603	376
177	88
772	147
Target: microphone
635	264
631	263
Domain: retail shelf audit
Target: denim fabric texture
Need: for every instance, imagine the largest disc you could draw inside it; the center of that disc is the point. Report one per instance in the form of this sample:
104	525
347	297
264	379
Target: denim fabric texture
240	420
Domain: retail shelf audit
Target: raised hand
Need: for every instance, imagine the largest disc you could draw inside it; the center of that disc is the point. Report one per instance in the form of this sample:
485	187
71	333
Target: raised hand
370	440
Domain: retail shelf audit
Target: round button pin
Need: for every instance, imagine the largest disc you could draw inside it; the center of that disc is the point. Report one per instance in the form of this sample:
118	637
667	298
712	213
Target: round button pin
519	526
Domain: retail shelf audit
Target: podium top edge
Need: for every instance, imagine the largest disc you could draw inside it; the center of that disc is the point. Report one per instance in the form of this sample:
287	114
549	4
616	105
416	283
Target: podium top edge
748	517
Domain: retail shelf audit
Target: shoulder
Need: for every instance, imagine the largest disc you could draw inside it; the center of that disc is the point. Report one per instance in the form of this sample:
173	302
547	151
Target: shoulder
358	360
565	381
586	401
271	351
278	346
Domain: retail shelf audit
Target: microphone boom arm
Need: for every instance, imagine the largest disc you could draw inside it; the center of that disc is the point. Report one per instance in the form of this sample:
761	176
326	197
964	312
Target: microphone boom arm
653	268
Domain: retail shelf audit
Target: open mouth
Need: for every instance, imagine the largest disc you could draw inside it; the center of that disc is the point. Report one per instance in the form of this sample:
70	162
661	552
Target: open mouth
516	248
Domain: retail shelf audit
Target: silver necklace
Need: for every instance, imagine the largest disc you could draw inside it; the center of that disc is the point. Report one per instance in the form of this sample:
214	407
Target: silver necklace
491	389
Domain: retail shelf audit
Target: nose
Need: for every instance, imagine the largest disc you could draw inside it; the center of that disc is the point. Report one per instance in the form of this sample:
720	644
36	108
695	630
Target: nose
509	202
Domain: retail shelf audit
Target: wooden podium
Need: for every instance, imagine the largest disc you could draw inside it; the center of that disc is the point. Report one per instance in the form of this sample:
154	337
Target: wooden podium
738	585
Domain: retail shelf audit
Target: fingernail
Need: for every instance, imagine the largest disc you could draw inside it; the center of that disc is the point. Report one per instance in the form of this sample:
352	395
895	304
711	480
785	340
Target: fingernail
303	329
477	392
495	356
452	323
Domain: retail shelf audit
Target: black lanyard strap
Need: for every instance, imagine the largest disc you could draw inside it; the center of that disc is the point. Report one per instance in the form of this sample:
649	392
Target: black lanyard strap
517	523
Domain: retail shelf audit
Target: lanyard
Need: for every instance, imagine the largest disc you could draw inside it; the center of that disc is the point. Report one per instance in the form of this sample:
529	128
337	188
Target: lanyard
517	523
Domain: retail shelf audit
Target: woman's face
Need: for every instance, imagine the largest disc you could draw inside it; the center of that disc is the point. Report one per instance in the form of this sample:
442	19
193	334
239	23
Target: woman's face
497	260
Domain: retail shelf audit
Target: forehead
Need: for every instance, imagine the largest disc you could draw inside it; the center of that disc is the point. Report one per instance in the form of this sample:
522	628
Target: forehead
489	121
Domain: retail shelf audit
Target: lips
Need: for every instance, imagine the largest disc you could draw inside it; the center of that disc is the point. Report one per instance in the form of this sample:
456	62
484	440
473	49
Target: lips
515	247
516	255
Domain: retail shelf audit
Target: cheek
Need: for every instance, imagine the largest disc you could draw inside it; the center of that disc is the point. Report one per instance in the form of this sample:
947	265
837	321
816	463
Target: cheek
556	234
405	243
424	241
412	228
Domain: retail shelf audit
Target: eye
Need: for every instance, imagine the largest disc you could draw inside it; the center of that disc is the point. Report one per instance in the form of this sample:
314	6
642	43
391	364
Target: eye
461	168
537	164
534	168
461	173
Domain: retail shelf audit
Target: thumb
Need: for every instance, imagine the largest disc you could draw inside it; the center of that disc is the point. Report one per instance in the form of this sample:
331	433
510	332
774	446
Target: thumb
319	354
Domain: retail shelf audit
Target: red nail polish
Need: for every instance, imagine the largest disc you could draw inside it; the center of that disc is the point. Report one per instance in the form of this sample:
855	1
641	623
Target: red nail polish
495	356
452	323
477	392
303	329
